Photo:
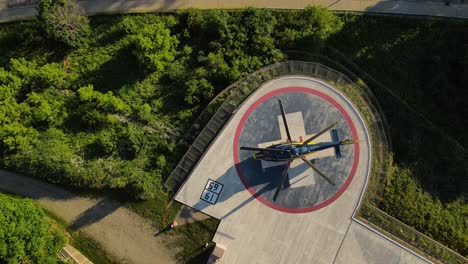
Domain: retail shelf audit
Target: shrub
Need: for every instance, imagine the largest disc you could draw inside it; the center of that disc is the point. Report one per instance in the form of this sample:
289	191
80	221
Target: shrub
154	45
25	234
66	23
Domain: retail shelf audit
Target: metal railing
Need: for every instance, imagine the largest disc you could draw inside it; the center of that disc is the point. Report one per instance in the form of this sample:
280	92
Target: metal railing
409	236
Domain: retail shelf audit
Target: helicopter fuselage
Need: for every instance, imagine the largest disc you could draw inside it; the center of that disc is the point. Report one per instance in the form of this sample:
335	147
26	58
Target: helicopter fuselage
295	150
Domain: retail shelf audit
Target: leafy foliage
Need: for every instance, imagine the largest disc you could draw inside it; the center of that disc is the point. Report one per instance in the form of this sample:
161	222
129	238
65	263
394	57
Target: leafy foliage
154	44
47	109
306	29
425	102
25	234
405	199
422	65
45	5
65	21
106	102
227	50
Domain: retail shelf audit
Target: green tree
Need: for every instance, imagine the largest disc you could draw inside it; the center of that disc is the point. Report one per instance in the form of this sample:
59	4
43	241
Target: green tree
28	102
45	5
15	130
47	109
151	36
259	25
51	156
34	77
229	50
25	235
307	28
10	84
198	88
65	21
107	101
98	109
15	137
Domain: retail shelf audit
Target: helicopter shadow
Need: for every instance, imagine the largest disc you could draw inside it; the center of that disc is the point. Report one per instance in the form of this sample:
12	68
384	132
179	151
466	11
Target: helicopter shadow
259	181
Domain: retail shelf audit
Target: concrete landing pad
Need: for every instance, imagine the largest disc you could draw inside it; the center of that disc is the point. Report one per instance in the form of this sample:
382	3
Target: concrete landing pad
307	112
363	246
309	223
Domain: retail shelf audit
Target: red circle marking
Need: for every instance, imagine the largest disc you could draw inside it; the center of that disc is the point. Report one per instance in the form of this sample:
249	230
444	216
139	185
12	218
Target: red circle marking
236	150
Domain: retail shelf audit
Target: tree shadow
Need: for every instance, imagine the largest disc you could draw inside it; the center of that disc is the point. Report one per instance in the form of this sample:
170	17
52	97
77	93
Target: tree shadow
116	73
93	151
27	39
95	213
433	8
40	190
203	256
109	27
129	6
421	73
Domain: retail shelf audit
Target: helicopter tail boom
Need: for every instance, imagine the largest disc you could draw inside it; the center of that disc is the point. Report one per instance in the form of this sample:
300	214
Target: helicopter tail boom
334	134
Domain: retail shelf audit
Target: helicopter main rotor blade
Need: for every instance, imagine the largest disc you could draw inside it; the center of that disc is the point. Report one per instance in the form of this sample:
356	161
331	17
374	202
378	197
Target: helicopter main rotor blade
283	178
319	134
317	170
284	120
264	149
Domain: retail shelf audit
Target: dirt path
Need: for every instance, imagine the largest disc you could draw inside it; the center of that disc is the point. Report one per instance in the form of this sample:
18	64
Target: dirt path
122	233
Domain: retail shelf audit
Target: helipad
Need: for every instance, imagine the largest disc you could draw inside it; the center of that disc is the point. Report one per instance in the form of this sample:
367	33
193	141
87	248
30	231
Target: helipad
311	221
261	126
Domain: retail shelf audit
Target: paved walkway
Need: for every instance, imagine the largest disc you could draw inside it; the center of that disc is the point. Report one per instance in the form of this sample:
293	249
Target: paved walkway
74	255
437	8
122	233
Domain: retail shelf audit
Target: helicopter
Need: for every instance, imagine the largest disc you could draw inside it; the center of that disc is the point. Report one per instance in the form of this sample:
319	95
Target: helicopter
290	150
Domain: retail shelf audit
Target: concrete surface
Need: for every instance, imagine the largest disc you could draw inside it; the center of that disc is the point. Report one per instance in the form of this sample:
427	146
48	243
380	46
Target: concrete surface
188	215
122	233
74	255
427	8
364	246
253	232
306	114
